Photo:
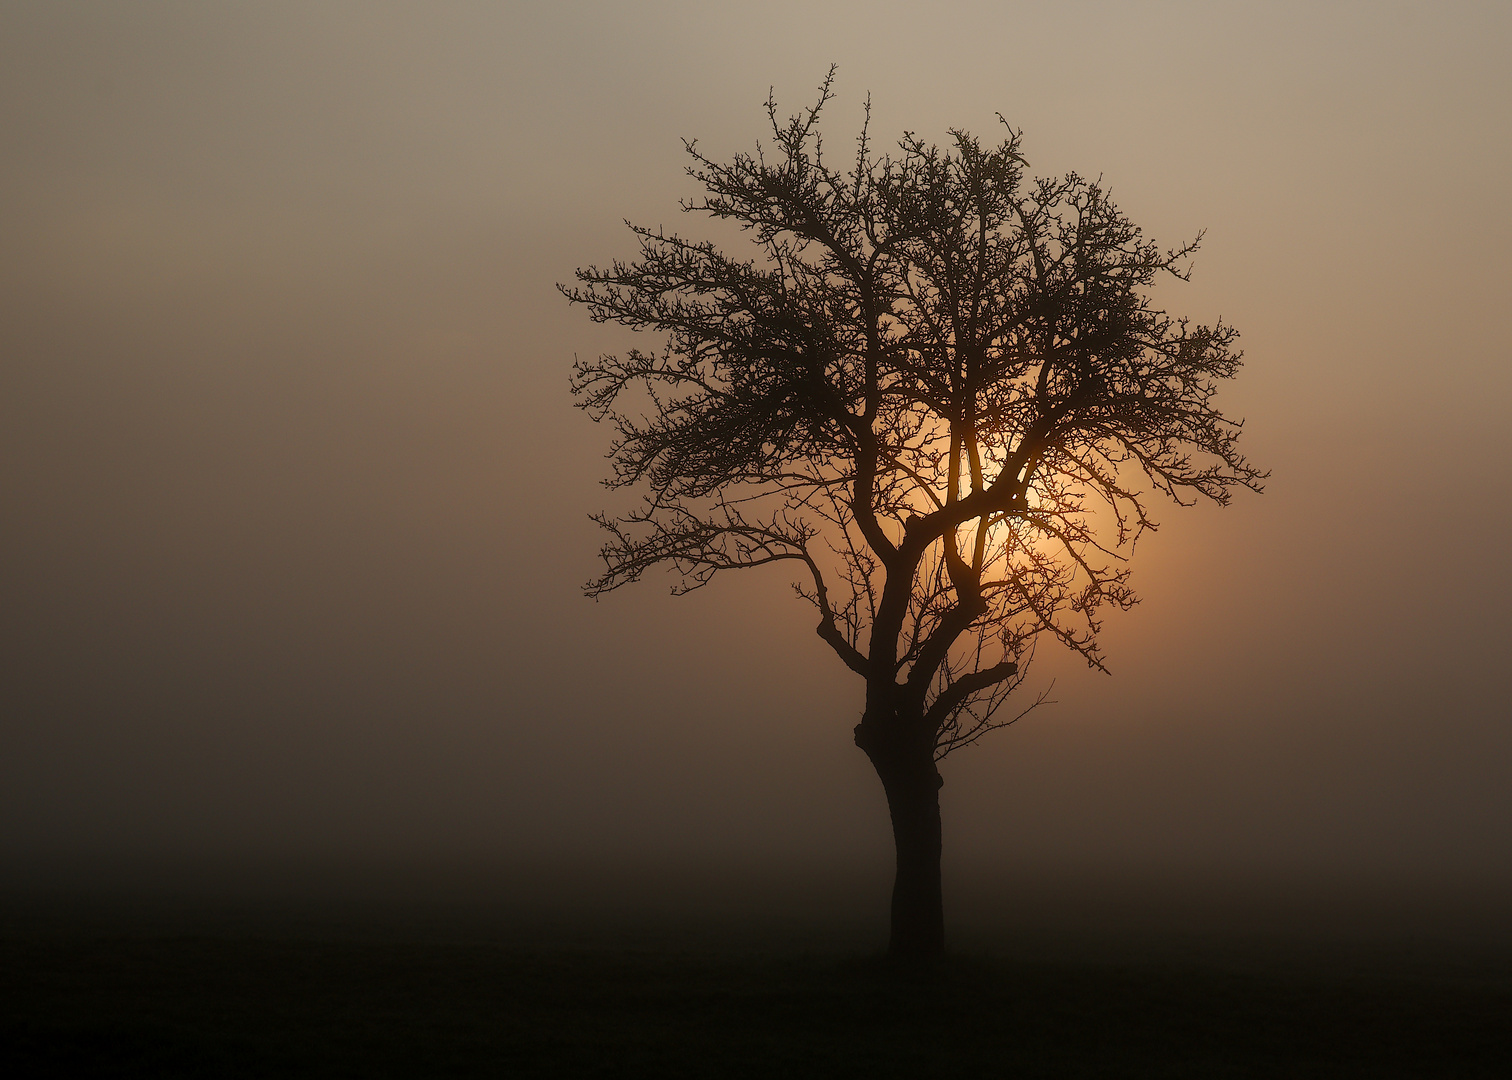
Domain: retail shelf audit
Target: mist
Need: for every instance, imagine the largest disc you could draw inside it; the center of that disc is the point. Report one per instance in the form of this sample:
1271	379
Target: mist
294	501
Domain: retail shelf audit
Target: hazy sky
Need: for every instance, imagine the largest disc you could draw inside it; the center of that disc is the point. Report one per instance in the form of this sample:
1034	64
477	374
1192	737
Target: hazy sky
294	502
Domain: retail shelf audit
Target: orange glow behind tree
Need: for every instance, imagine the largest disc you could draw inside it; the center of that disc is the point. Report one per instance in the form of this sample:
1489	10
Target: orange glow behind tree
921	390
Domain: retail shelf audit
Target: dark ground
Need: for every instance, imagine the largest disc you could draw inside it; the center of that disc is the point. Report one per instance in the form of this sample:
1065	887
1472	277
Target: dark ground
79	1002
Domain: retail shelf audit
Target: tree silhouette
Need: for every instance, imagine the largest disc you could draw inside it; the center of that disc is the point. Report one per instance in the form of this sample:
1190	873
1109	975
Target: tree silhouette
940	391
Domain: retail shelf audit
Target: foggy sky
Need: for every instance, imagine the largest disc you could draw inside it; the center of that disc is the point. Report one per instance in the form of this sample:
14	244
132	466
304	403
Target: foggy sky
294	502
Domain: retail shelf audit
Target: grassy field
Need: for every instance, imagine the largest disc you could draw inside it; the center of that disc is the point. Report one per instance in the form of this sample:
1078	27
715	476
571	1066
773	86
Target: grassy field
239	1006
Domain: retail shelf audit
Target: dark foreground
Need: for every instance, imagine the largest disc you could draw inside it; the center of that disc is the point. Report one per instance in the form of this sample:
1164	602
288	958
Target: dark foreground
232	1007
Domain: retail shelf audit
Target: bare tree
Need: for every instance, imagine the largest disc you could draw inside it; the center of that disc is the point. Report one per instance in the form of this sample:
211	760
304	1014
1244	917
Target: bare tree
936	388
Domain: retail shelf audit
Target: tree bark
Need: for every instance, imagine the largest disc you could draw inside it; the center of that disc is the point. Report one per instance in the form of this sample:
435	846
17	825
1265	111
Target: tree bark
912	783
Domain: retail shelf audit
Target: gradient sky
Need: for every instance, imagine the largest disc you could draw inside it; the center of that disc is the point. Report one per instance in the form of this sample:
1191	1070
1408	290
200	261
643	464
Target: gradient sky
294	502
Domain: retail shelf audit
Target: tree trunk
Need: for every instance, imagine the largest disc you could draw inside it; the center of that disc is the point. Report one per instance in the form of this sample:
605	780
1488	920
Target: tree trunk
918	913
